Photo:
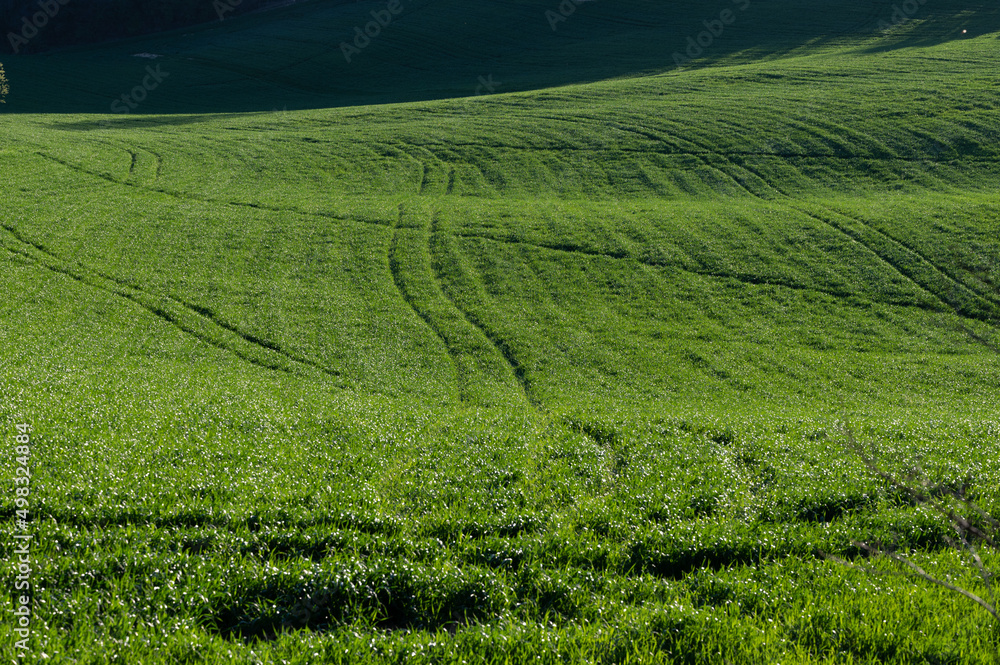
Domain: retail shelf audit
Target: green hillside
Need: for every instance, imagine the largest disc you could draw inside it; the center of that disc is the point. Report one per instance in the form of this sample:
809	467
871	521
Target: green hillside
512	339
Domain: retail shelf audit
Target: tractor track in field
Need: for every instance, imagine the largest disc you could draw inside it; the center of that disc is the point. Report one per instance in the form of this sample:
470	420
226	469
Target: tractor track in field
427	179
397	278
190	319
791	157
676	136
134	154
467	338
204	199
789	201
136	162
788	156
159	163
955	286
745	278
984	294
409	151
948	300
499	344
916	267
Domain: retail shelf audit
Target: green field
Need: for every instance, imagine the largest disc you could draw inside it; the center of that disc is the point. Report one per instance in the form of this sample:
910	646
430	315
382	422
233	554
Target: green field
503	343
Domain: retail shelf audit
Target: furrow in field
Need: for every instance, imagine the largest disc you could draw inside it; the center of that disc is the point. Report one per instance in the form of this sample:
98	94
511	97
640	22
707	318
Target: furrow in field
187	318
602	124
426	180
951	292
789	201
687	152
678	138
397	257
982	292
661	141
746	278
159	163
814	138
449	271
433	169
187	196
915	266
145	166
482	375
905	260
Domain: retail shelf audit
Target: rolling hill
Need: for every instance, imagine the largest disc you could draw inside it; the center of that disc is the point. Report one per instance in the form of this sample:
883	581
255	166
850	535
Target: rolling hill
523	331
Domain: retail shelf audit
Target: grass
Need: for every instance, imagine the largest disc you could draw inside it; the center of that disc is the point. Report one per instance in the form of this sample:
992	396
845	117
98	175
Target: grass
402	373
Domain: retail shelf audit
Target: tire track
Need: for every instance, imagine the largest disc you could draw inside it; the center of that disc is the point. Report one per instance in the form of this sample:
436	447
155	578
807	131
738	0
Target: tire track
746	278
788	156
145	166
908	262
951	299
499	344
195	321
953	294
134	157
428	179
159	163
986	295
204	199
950	294
483	373
789	201
395	269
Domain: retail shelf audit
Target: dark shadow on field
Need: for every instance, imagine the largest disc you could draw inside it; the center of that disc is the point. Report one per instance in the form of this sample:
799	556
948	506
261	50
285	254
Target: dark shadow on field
916	24
147	121
299	57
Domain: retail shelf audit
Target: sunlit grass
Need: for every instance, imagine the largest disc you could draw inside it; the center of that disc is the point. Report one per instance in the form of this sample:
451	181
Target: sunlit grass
553	376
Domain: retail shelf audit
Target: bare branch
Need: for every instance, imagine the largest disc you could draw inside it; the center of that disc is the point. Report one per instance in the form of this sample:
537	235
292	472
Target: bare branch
951	504
951	587
981	567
